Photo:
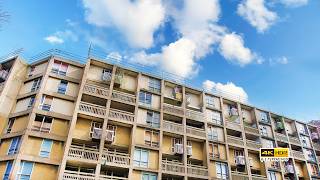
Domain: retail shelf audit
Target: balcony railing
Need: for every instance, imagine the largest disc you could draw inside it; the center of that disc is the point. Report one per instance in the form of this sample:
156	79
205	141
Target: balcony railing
233	125
197	170
92	109
281	137
173	109
258	177
172	127
75	175
115	158
251	130
235	140
125	97
254	144
297	154
116	114
196	131
294	140
96	90
239	175
195	115
172	166
84	153
106	177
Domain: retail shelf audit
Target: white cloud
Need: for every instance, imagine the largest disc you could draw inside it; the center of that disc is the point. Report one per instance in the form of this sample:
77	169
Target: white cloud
279	60
137	20
257	14
232	48
228	90
115	56
294	3
52	39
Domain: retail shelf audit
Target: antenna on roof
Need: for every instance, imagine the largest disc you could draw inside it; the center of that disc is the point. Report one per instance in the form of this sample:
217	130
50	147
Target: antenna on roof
89	50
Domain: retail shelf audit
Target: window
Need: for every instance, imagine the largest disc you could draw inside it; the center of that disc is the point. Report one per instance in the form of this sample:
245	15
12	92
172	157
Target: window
42	123
31	71
25	170
214	150
145	98
14	146
60	68
151	138
106	74
304	141
62	88
36	84
31	102
149	176
8	171
263	130
10	124
214	117
222	170
212	134
154	85
210	101
237	153
314	169
141	157
45	103
264	117
153	119
269	144
272	175
45	148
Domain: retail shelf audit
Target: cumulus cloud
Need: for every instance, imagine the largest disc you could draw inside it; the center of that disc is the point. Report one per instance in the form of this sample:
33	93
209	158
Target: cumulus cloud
137	20
279	60
257	14
52	39
294	3
232	48
228	90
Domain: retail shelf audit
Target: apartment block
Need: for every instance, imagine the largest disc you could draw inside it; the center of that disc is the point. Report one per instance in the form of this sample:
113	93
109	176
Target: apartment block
62	119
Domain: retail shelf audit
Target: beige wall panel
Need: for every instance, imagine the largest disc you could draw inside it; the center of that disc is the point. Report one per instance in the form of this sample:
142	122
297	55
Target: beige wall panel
22	105
123	136
74	72
5	147
142	115
20	124
44	171
59	127
62	106
82	129
26	88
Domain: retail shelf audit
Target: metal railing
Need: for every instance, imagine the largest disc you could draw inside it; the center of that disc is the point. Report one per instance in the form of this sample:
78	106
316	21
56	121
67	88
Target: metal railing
117	114
172	127
96	90
92	109
172	166
173	109
83	153
196	131
115	158
75	175
125	97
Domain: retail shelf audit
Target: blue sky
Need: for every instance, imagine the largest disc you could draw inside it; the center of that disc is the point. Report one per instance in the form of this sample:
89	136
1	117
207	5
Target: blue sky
267	50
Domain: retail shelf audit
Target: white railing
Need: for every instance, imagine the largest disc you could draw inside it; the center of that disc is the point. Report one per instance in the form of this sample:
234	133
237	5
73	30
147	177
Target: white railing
254	144
83	153
172	166
106	177
172	127
197	170
121	115
196	131
75	175
195	115
92	109
96	90
115	158
235	140
281	137
125	97
173	109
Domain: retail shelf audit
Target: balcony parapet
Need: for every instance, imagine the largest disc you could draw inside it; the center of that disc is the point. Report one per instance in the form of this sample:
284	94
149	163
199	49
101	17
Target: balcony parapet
116	114
124	97
95	90
173	109
113	158
92	109
172	127
172	166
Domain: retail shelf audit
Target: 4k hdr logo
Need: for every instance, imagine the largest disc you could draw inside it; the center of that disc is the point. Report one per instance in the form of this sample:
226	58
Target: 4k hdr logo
274	152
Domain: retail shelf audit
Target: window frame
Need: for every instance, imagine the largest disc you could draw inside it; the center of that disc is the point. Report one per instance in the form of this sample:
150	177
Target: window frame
20	172
154	85
31	102
10	125
7	172
154	119
14	150
45	153
62	87
138	161
57	67
220	173
36	84
210	101
145	98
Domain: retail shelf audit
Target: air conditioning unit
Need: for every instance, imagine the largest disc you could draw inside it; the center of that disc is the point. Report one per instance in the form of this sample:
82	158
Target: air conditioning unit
110	136
189	150
178	149
240	161
289	169
96	133
106	76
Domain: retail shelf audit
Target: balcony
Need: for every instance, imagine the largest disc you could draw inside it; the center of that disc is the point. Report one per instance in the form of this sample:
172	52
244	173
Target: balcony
214	156
3	75
172	167
196	131
123	97
197	170
235	140
281	137
297	154
195	115
92	109
172	127
233	125
95	90
258	177
75	175
83	153
173	109
251	130
316	146
116	114
113	158
294	140
106	177
254	144
1	87
239	175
